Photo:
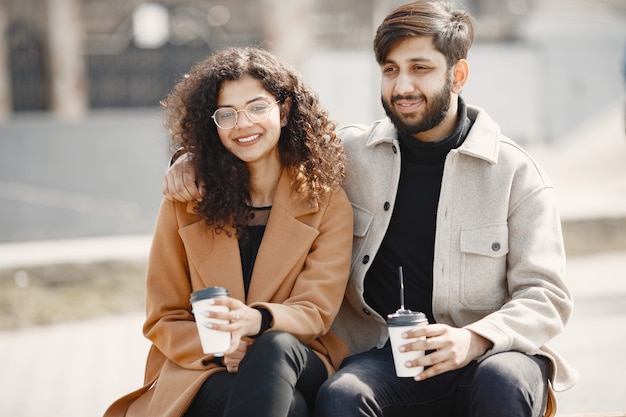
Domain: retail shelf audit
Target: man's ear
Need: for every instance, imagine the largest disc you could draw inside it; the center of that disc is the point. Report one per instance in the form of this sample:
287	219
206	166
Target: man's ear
460	76
285	109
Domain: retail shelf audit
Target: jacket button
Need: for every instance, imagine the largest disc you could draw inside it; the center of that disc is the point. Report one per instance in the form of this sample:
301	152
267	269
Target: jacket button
394	149
365	259
366	311
387	205
495	246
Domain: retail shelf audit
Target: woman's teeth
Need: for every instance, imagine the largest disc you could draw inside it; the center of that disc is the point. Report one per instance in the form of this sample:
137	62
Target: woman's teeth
248	139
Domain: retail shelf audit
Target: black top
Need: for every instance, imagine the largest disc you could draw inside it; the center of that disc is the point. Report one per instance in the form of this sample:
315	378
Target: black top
410	239
249	247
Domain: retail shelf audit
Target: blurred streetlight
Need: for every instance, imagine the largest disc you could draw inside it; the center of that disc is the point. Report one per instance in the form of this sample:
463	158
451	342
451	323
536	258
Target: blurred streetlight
151	25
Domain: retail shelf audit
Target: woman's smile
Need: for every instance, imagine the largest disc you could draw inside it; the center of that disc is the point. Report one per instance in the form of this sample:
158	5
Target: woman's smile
248	139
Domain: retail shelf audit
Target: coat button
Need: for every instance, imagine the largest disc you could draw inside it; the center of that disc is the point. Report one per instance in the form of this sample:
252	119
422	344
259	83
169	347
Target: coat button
495	246
394	149
365	259
387	205
366	311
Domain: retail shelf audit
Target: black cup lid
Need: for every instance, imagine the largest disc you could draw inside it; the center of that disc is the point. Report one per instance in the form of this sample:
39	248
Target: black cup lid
210	292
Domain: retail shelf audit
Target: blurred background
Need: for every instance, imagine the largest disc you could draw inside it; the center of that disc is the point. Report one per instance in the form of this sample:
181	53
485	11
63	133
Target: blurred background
83	153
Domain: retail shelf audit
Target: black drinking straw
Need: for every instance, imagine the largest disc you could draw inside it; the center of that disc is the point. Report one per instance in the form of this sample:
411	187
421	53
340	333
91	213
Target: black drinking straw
401	276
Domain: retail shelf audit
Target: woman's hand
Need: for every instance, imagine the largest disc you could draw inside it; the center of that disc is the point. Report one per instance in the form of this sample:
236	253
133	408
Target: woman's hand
232	360
241	321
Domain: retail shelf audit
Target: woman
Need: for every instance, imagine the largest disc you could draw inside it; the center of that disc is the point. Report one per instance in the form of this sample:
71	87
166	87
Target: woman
274	228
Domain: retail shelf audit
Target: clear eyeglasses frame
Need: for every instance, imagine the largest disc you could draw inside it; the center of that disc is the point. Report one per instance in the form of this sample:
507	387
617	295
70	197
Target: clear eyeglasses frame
257	112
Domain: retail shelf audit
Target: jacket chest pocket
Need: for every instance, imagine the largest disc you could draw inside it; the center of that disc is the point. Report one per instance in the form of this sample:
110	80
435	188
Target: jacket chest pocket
483	266
362	220
362	223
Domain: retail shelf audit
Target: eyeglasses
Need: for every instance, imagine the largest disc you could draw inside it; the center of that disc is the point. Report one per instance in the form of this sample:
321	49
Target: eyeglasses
257	112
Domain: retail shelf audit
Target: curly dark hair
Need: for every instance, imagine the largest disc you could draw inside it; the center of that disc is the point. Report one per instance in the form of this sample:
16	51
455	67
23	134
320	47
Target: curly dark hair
308	145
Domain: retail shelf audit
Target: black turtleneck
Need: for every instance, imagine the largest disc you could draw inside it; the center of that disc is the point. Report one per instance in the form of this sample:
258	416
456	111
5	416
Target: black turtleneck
410	238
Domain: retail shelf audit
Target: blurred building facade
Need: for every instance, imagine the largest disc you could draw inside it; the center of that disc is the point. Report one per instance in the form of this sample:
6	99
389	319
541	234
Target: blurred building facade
121	53
544	64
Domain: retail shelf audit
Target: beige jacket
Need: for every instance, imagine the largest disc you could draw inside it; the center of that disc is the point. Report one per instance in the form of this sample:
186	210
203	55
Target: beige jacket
499	255
299	275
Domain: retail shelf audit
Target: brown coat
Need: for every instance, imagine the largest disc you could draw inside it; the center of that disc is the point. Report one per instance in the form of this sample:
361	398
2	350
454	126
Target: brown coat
300	275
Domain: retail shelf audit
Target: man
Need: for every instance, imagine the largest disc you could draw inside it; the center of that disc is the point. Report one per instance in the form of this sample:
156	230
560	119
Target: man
472	220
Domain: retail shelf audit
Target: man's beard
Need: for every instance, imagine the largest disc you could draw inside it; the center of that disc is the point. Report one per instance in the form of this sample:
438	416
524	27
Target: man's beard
436	109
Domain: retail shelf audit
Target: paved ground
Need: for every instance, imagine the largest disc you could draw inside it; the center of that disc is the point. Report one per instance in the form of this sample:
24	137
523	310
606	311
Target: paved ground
77	369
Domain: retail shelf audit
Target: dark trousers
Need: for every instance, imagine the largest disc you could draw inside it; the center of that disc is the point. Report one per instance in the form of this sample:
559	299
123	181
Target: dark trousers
279	376
510	383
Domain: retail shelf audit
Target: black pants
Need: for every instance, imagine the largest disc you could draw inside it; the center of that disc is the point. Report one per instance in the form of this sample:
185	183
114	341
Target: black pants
510	384
279	376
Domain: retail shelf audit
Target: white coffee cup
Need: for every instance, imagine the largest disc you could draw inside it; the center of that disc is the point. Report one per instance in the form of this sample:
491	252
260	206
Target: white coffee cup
213	341
398	323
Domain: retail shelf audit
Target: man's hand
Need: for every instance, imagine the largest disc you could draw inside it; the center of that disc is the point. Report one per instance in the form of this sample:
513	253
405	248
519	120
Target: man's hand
452	348
179	182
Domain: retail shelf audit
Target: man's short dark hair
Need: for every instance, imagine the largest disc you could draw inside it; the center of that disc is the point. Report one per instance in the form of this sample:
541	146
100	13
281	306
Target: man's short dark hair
452	29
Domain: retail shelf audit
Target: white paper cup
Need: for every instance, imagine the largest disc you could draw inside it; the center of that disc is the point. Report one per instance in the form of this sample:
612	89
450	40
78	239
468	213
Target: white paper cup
398	323
213	341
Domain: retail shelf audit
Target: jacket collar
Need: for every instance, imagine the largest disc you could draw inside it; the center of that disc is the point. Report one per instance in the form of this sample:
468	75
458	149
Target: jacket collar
481	142
283	197
216	257
483	139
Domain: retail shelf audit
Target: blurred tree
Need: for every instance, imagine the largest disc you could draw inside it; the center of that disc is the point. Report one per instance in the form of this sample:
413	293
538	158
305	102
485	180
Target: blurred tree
5	70
68	79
